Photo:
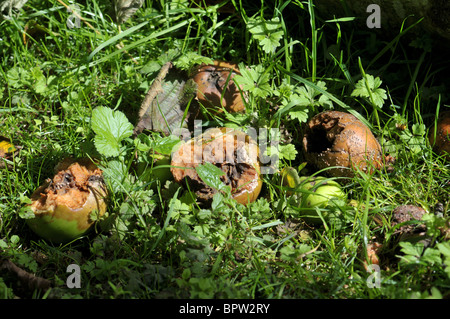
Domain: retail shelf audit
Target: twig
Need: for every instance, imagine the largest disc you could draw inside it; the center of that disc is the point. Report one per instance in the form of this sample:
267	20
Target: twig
29	280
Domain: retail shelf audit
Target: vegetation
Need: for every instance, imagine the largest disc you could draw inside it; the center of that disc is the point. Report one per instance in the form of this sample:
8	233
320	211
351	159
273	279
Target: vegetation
73	87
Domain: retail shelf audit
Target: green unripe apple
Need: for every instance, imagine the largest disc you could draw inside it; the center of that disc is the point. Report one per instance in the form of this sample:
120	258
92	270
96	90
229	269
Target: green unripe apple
319	191
312	192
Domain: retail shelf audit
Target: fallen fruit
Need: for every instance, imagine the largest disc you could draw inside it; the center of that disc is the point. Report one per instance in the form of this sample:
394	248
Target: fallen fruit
233	151
320	192
290	179
311	192
7	150
67	205
441	144
216	87
409	232
339	140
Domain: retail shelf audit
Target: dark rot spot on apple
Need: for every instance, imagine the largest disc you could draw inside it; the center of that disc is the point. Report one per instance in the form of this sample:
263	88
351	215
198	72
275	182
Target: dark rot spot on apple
234	152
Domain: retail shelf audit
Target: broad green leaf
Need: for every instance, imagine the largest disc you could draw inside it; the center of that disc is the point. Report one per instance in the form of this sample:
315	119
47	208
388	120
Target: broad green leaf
165	145
210	175
412	249
110	127
300	115
254	80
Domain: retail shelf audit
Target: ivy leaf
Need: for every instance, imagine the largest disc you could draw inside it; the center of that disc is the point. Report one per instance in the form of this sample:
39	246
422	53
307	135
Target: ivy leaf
369	87
110	127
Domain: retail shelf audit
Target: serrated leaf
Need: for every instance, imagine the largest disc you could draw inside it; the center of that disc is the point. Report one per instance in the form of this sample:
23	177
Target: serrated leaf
268	33
110	127
287	152
368	87
300	115
165	145
254	80
444	248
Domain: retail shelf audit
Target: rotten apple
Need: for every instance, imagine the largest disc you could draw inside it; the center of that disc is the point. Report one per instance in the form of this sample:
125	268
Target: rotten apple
66	206
231	150
441	142
341	141
216	88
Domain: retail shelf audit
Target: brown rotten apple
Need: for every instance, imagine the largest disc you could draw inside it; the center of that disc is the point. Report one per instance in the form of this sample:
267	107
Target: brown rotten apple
233	151
216	88
442	142
65	205
339	140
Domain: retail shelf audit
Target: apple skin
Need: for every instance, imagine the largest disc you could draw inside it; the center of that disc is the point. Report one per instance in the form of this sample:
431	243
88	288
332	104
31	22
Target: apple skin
216	88
441	144
318	191
64	211
312	192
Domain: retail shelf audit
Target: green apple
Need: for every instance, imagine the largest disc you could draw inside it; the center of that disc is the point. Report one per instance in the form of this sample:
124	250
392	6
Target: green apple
310	193
319	191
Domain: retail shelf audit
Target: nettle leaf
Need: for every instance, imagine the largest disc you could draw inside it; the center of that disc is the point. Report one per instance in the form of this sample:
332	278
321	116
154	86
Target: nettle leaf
369	87
210	174
268	33
111	128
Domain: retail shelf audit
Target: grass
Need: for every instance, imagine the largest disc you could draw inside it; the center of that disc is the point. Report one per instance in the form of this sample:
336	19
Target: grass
157	243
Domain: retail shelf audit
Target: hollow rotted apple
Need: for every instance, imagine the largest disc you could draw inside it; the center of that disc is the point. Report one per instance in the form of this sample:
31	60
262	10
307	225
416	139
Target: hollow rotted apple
67	206
216	88
441	142
231	150
341	141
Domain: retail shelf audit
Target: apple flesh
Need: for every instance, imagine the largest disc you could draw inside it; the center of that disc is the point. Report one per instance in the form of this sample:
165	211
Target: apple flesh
231	150
66	206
